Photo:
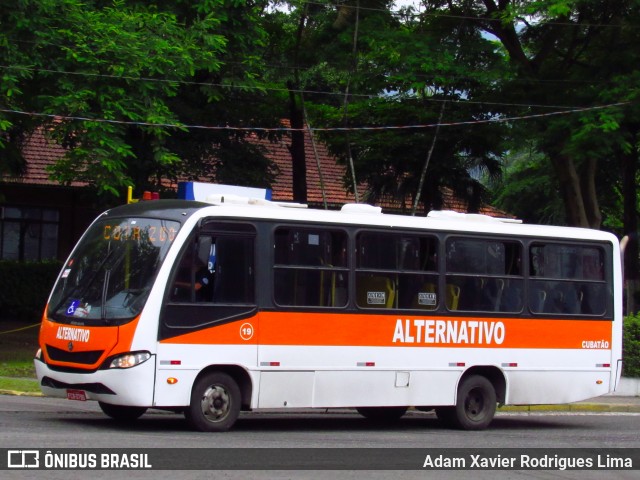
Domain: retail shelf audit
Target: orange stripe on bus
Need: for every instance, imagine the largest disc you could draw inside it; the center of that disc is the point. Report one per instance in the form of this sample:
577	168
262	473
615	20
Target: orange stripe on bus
76	338
320	329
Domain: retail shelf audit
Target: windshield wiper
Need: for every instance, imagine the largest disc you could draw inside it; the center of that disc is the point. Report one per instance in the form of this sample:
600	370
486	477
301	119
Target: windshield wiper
103	299
79	292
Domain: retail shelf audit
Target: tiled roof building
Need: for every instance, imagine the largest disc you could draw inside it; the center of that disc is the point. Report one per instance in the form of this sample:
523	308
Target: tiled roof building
34	195
40	153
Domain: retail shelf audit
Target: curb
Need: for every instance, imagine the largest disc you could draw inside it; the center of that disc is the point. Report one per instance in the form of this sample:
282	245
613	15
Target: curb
21	394
573	407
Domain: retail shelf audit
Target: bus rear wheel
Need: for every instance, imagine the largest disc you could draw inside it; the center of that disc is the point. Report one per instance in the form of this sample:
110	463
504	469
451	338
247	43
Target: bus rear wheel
475	406
382	414
120	412
215	403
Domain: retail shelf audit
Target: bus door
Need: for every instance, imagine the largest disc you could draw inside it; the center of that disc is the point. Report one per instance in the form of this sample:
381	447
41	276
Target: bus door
209	314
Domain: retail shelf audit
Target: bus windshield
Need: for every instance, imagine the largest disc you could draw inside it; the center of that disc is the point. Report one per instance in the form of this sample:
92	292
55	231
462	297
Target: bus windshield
107	279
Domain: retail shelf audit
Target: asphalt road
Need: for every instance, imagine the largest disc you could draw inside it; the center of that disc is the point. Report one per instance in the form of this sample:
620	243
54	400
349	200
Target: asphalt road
46	423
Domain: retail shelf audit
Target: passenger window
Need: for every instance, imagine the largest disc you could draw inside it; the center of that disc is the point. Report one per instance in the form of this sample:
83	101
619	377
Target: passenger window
567	279
396	270
310	267
485	274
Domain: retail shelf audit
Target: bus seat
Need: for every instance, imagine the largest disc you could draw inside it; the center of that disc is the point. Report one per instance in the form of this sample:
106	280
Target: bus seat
452	296
500	287
572	301
511	298
580	308
370	289
492	290
539	300
328	289
333	291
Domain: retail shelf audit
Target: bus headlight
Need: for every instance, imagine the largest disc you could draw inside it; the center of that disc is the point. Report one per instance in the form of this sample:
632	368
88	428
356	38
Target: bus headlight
128	360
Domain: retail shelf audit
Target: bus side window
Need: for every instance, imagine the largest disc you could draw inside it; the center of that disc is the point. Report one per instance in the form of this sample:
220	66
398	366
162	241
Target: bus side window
310	267
204	271
182	285
233	269
567	279
215	269
194	279
376	275
487	273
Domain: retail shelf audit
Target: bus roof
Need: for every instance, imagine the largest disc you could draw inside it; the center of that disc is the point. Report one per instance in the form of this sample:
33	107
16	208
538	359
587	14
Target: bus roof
351	214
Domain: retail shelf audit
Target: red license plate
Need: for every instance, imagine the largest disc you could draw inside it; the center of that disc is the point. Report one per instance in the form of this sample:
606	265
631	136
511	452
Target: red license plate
76	395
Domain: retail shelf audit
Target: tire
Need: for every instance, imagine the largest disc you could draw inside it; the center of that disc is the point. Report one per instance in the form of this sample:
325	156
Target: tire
476	404
382	414
122	413
215	403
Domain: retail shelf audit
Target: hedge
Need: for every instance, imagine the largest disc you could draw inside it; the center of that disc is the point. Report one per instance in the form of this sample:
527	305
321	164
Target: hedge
631	347
25	288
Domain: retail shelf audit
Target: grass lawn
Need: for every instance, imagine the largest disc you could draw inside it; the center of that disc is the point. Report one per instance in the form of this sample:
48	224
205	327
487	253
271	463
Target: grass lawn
24	385
18	345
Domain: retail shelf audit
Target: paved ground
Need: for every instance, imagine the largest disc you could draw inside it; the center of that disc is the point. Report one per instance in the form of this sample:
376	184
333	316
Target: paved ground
606	403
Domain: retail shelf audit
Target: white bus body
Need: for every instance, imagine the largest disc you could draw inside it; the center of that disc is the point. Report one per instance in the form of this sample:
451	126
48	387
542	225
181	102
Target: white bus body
312	308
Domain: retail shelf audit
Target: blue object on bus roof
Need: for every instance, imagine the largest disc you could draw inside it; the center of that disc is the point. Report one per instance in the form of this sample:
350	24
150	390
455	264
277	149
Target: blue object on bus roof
200	191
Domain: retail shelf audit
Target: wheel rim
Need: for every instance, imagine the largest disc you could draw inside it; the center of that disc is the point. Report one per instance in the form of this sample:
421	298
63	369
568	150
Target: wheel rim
216	403
474	404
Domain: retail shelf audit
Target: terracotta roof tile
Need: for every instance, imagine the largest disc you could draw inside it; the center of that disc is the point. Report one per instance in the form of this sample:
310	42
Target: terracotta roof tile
332	174
40	153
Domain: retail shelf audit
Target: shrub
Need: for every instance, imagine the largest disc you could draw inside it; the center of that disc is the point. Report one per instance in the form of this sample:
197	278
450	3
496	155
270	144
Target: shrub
25	287
631	347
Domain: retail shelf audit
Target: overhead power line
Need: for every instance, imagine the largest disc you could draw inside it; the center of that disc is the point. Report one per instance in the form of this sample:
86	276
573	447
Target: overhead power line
276	89
315	129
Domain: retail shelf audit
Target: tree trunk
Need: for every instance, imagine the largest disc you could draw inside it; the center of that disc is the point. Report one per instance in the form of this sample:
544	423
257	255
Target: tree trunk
589	194
630	219
571	191
298	156
296	117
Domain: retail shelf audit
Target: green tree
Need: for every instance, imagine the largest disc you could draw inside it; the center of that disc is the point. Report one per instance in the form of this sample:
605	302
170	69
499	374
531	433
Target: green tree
116	83
309	51
527	188
563	54
412	71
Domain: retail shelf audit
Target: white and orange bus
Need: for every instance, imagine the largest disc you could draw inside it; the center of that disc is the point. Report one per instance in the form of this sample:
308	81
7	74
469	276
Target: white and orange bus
216	308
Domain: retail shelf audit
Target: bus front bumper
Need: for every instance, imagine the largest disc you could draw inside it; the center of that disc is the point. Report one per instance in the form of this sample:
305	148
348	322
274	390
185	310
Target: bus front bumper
118	386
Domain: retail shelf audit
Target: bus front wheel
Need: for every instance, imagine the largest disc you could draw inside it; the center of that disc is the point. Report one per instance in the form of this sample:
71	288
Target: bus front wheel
475	405
215	403
121	412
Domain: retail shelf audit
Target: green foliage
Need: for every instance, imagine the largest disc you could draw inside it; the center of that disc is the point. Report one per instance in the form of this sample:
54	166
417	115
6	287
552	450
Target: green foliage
401	73
25	287
528	189
140	69
139	72
598	72
631	347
